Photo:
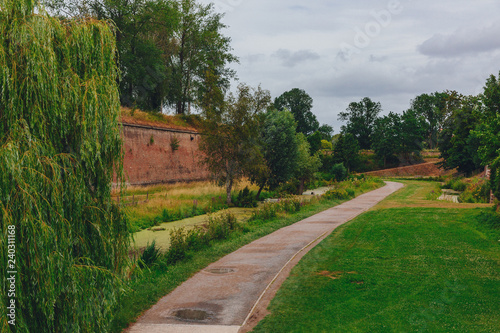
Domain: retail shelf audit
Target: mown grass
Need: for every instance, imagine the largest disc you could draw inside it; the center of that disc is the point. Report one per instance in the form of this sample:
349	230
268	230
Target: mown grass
411	269
146	287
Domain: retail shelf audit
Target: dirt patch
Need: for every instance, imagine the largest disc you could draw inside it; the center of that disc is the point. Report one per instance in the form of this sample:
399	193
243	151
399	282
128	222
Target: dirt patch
419	170
358	282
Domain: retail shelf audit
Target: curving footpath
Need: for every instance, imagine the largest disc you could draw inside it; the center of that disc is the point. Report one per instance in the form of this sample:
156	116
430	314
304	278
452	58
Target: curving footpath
232	294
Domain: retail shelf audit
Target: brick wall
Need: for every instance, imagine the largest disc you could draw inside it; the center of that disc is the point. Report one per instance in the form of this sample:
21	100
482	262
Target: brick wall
150	159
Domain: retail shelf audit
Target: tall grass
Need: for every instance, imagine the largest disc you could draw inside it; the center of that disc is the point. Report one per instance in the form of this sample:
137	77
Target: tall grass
59	144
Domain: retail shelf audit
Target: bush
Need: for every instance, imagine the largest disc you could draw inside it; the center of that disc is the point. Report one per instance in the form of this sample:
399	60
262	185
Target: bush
266	212
245	198
149	256
178	246
290	187
339	172
455	184
220	227
291	205
476	192
196	239
339	194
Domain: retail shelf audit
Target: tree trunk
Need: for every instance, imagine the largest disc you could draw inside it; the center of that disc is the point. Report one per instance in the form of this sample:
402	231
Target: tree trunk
259	192
301	186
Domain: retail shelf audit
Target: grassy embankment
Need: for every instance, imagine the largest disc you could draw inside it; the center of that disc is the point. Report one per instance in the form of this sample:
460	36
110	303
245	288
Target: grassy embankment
146	287
408	265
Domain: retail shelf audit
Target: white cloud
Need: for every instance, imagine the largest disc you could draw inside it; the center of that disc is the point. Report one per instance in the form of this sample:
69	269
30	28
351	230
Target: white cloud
464	41
429	46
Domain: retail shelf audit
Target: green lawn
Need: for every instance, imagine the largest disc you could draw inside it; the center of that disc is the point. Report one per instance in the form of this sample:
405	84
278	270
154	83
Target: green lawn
410	269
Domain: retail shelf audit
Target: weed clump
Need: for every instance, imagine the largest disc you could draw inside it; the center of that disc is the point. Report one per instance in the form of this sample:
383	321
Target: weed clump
149	256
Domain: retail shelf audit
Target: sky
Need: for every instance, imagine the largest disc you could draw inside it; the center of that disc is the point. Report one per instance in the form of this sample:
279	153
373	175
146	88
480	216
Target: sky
342	51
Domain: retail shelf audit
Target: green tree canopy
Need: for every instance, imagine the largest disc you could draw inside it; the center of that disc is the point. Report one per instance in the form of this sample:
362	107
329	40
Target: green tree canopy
165	49
231	133
299	103
346	150
458	147
279	147
314	142
412	135
434	108
386	136
488	132
59	145
326	132
360	118
197	47
307	164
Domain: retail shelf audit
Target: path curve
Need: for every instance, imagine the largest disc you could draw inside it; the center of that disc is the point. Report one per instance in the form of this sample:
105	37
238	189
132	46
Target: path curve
232	294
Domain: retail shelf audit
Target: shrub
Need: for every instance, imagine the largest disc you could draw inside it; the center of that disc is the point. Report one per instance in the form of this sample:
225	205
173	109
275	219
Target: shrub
220	227
456	184
245	198
339	172
178	246
266	212
338	194
291	205
476	192
196	239
149	256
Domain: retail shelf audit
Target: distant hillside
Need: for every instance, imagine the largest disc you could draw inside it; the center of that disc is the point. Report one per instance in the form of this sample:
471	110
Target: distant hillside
422	170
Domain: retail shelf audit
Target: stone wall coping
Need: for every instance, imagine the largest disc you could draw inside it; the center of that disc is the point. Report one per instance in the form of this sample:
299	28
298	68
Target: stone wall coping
157	128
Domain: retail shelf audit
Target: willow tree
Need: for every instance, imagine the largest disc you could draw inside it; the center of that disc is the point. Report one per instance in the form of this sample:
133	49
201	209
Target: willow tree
59	145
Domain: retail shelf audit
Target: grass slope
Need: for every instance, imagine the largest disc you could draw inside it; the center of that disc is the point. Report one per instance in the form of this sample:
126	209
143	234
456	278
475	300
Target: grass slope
395	270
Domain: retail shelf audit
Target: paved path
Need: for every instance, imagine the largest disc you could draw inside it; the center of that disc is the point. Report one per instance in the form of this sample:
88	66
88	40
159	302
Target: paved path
231	295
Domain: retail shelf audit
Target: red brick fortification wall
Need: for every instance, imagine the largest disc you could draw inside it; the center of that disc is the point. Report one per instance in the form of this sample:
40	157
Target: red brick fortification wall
150	158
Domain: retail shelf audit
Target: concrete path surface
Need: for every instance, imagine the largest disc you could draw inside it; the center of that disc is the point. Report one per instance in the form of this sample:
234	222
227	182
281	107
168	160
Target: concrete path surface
232	294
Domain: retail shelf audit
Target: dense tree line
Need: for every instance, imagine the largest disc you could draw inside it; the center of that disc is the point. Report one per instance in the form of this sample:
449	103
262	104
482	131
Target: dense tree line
165	49
465	129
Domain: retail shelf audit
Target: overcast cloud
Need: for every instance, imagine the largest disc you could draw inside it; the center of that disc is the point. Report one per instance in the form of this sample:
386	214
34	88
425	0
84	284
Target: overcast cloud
340	52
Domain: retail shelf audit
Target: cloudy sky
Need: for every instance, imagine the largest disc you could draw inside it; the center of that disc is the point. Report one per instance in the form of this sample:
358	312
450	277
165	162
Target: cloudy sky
342	51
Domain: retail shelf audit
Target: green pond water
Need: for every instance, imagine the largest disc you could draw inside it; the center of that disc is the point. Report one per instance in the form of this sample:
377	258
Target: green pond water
161	233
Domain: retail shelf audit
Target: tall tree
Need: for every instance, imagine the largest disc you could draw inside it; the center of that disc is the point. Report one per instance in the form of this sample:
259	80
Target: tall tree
279	147
299	103
326	132
488	132
412	135
360	118
165	49
386	135
230	133
458	147
198	47
307	164
59	147
346	151
434	108
141	28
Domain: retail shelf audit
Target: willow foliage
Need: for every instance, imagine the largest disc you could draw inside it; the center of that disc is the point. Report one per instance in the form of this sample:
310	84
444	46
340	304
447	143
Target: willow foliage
59	146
